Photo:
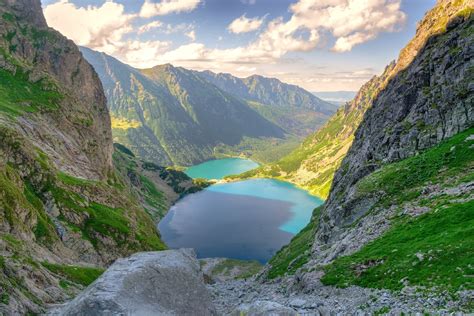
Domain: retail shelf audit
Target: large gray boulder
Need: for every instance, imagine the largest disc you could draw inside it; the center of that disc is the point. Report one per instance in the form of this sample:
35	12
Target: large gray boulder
148	283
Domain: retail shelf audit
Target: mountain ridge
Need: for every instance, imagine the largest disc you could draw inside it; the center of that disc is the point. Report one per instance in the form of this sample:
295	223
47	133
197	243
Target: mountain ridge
177	117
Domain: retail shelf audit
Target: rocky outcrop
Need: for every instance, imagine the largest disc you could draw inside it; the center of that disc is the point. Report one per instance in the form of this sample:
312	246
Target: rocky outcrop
75	131
423	102
152	283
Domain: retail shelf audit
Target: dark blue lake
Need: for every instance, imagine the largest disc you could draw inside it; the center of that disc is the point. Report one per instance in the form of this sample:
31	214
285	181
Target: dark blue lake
249	219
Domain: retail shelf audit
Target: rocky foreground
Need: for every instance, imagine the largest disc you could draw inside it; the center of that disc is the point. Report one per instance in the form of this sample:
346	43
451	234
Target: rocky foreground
172	283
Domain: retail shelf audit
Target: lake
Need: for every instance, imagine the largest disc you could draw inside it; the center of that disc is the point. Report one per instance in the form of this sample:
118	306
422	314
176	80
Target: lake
248	220
219	168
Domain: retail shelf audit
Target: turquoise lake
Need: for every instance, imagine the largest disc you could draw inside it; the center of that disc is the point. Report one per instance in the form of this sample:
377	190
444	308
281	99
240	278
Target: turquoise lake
218	169
249	219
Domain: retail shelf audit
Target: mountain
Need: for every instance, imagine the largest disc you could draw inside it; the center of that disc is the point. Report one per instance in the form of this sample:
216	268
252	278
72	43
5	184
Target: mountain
294	109
312	165
400	213
173	116
70	203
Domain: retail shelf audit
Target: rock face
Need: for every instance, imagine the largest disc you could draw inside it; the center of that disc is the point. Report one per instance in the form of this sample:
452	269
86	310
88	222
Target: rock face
77	133
427	98
313	164
412	141
152	283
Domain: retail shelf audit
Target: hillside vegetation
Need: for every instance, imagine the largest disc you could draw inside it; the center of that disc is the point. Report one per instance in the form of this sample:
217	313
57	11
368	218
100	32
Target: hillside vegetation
70	203
176	116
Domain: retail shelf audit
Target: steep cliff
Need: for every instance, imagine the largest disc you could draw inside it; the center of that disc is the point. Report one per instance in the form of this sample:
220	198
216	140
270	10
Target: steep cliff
67	208
75	115
427	100
399	213
313	164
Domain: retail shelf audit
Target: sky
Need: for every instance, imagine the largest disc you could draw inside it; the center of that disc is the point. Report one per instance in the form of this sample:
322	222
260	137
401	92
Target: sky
320	45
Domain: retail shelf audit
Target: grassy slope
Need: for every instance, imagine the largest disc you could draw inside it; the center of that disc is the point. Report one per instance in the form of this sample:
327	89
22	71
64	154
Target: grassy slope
79	275
294	255
448	164
444	236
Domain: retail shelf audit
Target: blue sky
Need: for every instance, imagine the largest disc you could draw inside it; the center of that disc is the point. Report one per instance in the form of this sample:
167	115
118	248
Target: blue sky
321	45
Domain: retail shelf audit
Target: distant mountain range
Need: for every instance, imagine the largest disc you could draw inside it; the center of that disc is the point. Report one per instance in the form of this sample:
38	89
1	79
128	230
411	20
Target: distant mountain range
176	116
291	107
336	97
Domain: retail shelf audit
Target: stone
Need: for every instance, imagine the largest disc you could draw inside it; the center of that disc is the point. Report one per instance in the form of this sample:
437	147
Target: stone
149	283
264	308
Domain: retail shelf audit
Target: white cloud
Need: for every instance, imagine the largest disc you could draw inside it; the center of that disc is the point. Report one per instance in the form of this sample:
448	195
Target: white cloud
94	26
149	26
103	28
191	35
244	25
351	22
251	2
142	54
150	9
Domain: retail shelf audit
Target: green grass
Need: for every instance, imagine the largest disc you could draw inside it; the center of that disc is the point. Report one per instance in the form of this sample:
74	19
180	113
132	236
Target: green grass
18	95
153	197
444	235
71	180
107	221
294	255
401	181
445	238
79	275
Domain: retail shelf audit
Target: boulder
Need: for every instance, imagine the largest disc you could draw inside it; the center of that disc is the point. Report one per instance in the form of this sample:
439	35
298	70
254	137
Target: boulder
264	308
148	283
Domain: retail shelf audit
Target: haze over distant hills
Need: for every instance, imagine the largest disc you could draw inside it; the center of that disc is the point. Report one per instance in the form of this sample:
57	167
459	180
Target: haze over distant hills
336	97
177	116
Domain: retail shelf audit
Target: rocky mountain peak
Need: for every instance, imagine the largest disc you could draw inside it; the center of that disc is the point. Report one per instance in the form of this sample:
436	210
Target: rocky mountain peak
28	10
425	99
80	119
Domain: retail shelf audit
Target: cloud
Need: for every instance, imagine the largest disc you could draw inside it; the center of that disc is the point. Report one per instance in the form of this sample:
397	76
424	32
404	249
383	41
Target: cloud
244	25
251	2
148	27
103	28
348	22
94	26
351	22
150	9
336	24
191	35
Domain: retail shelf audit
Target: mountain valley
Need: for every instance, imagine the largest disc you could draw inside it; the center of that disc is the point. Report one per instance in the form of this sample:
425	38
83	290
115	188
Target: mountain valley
97	157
